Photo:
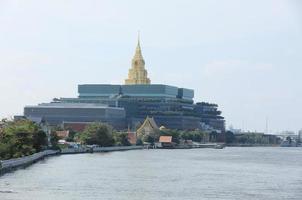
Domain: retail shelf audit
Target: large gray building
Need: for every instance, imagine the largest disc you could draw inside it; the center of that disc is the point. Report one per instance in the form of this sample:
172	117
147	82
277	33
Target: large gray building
58	113
126	106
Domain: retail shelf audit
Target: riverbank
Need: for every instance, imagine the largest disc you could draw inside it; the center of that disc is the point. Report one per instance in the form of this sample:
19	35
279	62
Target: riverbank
99	149
252	145
14	164
195	145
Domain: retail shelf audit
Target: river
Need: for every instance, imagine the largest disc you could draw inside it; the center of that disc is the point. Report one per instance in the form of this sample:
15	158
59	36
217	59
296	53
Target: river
244	173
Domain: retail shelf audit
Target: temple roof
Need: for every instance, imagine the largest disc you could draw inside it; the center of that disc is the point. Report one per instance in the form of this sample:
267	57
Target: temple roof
149	121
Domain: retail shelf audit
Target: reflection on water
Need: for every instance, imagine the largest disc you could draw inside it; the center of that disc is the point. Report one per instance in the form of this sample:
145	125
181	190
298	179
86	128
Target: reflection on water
230	173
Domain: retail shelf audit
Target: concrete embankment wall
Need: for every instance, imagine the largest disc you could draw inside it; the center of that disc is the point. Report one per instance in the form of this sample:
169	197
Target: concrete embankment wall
100	149
121	148
75	151
8	165
252	145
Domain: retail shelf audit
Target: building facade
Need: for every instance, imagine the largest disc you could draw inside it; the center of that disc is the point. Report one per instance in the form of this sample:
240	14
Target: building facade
59	113
170	106
127	106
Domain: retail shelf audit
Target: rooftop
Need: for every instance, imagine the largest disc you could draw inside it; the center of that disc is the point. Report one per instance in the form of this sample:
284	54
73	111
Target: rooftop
165	139
72	105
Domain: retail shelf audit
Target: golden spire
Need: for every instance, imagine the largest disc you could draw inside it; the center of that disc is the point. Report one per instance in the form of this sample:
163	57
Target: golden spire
137	73
138	39
138	52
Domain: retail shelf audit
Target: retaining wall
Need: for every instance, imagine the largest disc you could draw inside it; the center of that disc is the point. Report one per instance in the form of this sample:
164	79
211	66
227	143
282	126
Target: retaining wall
99	149
75	151
8	165
117	148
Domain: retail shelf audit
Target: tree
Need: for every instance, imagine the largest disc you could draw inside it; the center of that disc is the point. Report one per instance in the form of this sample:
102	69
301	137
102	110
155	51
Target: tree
72	135
54	138
213	136
97	133
289	139
149	139
20	138
229	137
187	135
40	140
242	139
122	139
139	142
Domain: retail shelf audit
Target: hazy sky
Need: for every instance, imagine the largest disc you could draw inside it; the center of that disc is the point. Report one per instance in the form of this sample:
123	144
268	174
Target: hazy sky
245	56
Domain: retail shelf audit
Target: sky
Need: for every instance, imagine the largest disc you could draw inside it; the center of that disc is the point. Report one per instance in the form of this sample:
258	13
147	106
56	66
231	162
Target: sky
246	56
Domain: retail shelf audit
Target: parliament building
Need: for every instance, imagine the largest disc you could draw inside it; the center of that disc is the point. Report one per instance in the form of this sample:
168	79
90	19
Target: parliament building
126	106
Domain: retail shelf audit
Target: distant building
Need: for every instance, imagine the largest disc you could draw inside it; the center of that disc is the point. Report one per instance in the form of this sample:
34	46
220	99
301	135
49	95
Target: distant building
62	134
166	141
75	126
128	105
60	113
287	134
210	116
300	136
148	128
235	130
170	106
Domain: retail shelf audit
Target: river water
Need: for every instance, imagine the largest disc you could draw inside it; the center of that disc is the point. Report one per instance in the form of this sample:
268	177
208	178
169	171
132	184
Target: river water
231	173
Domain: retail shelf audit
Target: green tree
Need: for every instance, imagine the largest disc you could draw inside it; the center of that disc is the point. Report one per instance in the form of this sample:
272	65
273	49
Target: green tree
121	139
242	139
54	140
196	135
97	133
229	137
20	138
139	142
149	139
40	140
72	135
289	139
213	136
186	135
